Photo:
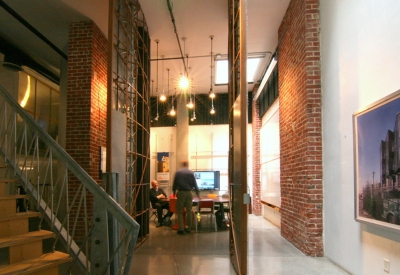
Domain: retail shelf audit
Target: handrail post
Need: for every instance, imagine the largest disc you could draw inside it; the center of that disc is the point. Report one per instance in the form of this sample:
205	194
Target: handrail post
99	243
110	184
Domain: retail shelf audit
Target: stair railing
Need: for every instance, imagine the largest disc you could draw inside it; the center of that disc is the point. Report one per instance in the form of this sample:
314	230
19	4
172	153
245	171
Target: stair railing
78	210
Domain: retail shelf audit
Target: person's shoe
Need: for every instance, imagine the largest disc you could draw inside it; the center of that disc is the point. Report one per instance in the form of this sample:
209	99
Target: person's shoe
187	230
181	232
159	225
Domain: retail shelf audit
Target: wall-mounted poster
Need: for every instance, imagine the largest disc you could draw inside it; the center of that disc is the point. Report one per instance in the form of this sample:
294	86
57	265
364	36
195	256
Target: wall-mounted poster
377	163
162	166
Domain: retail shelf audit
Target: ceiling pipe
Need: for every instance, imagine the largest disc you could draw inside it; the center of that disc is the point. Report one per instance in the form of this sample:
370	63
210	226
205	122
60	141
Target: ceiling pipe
176	33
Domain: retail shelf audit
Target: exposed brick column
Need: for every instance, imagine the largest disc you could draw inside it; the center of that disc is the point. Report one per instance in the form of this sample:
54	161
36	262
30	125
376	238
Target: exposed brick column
256	126
86	98
300	127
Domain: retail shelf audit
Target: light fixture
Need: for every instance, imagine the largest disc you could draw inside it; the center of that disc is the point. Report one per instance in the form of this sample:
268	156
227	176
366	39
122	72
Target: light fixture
190	104
211	93
194	110
212	107
184	81
267	74
172	112
157	69
152	85
162	95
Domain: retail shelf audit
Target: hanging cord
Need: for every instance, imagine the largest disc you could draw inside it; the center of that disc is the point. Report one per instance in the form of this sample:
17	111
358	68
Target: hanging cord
176	33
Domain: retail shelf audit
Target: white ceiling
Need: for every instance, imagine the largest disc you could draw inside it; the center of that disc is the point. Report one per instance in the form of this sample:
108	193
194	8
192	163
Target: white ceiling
196	20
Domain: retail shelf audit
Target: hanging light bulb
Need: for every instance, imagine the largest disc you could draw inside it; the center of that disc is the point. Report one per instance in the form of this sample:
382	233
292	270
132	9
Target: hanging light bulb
211	94
194	110
212	107
157	68
152	86
162	95
190	104
172	112
184	80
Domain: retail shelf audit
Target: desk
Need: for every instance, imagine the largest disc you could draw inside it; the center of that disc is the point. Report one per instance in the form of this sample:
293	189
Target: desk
172	206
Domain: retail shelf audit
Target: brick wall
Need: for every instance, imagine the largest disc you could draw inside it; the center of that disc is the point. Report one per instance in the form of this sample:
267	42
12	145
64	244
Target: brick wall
256	126
300	127
86	98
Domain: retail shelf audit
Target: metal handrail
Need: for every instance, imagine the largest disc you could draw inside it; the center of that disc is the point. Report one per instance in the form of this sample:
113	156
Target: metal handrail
42	166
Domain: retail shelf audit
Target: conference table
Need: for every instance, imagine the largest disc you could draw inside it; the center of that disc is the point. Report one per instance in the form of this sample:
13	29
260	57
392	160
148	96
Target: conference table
221	200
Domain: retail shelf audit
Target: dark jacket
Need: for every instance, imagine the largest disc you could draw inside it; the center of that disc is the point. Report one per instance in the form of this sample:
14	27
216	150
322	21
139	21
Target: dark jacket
184	180
154	193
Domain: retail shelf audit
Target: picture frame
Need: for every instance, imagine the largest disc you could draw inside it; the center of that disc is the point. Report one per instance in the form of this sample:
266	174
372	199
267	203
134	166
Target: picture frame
376	131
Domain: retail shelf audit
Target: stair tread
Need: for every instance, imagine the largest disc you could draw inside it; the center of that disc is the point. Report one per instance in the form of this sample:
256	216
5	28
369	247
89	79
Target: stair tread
45	261
13	197
26	238
21	215
8	180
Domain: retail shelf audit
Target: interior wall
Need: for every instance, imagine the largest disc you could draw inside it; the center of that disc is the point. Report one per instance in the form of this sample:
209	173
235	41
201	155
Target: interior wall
360	64
270	157
300	127
208	150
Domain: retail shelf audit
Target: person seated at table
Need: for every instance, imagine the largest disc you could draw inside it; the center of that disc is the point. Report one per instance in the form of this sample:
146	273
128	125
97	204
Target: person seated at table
157	199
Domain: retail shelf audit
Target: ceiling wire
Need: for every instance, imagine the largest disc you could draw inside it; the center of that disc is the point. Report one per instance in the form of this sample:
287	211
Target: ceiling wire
177	36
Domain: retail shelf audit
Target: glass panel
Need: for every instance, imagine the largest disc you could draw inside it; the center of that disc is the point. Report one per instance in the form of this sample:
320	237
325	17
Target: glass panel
252	65
42	105
55	104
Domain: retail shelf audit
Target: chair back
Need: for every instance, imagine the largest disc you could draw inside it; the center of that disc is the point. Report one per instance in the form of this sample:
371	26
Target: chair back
172	205
206	206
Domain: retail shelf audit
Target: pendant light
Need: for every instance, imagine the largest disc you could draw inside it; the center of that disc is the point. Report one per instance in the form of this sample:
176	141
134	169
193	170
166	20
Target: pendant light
212	106
211	94
152	86
157	69
190	104
194	110
172	112
184	81
162	95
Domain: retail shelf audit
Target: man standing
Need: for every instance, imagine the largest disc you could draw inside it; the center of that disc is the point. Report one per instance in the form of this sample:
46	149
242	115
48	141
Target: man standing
157	199
184	183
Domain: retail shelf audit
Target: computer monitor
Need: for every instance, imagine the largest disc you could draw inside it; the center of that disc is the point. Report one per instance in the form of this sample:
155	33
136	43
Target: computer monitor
207	180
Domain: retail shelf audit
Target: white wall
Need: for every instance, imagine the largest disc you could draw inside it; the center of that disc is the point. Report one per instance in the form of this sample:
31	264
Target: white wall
270	156
360	45
208	150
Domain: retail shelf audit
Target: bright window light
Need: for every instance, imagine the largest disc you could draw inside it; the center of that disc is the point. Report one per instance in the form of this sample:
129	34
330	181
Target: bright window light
221	70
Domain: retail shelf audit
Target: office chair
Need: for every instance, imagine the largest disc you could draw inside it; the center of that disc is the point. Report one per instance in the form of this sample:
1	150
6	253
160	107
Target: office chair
206	207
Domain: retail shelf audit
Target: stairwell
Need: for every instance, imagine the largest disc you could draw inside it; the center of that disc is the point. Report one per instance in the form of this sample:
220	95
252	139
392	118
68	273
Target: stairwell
21	247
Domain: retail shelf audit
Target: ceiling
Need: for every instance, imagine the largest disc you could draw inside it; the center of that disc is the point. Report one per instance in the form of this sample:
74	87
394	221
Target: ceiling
195	20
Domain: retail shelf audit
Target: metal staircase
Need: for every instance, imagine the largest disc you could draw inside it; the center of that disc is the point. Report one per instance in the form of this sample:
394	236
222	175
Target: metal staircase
78	226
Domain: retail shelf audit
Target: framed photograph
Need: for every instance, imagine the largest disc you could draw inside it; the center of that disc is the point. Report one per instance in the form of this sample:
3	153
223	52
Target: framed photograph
377	163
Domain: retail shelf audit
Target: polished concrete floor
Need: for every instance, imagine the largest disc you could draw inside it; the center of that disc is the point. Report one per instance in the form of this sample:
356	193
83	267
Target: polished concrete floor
206	252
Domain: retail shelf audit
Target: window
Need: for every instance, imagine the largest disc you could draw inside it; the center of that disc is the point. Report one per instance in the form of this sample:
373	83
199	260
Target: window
221	70
41	100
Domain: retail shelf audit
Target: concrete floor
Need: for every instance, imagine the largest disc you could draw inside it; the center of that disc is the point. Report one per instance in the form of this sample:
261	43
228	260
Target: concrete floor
206	252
